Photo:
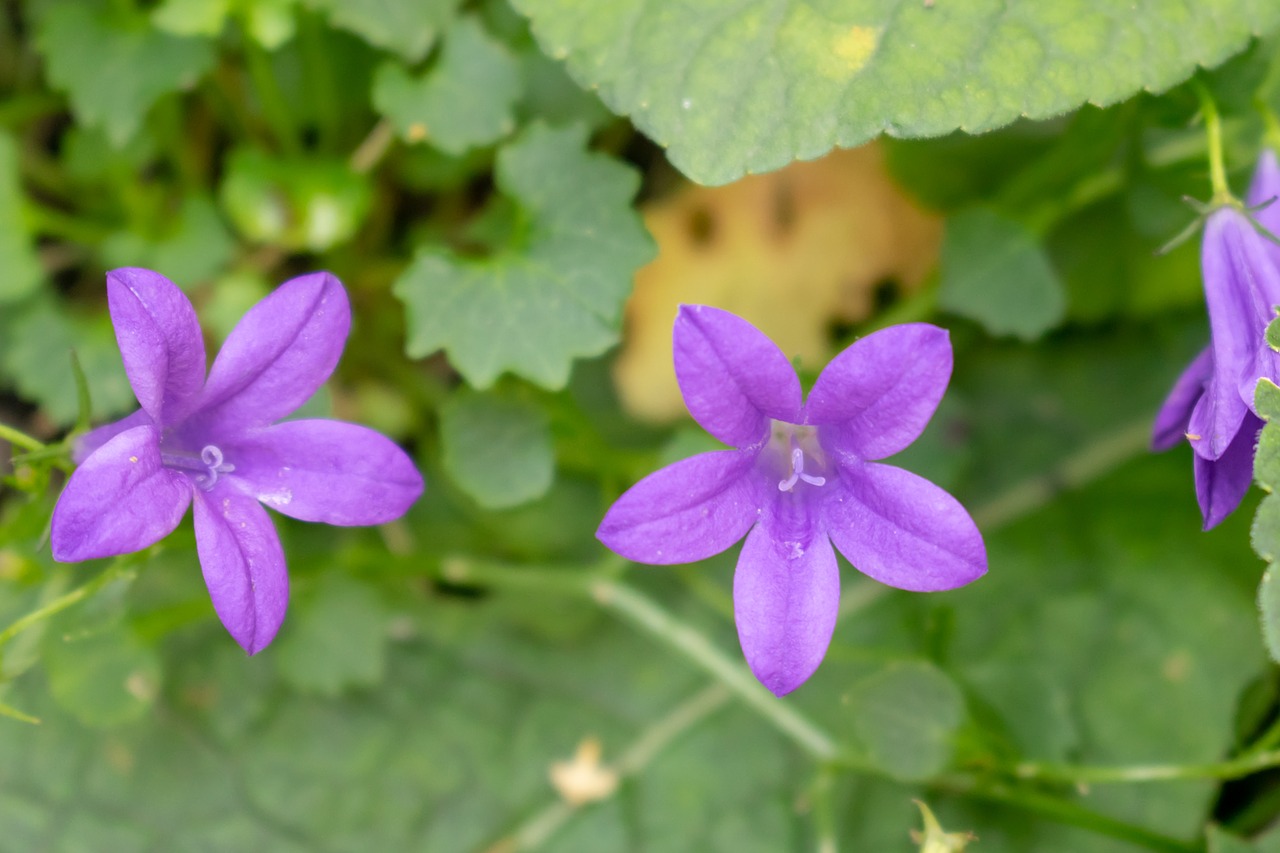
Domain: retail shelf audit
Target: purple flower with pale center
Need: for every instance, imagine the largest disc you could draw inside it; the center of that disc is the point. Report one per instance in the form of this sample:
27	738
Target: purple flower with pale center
803	477
1212	402
215	443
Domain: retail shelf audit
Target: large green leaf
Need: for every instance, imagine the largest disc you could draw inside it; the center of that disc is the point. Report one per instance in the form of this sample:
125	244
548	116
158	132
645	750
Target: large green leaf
555	291
498	450
113	66
738	86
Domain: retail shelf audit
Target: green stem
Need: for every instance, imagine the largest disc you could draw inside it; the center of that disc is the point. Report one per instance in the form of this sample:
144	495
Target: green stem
824	813
374	147
1271	137
1064	811
122	567
1213	130
19	439
1085	465
653	618
538	829
275	105
1234	768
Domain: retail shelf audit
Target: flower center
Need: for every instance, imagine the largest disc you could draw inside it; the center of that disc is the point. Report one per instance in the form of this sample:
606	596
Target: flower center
795	448
207	463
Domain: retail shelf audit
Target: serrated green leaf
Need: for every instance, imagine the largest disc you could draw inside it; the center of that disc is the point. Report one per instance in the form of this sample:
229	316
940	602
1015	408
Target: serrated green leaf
114	67
21	273
466	100
1273	334
105	678
311	203
905	717
405	27
556	295
731	88
497	449
995	272
335	638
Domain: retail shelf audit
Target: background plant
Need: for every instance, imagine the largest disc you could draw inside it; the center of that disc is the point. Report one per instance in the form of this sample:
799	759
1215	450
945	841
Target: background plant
474	172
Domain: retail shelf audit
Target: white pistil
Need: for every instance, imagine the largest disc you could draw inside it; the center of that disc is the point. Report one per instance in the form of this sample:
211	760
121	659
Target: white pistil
797	473
210	463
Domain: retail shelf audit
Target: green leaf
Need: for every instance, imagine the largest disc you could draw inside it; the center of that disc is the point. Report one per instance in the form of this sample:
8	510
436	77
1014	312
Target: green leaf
35	355
104	678
194	247
498	450
114	67
1221	841
1273	334
21	269
466	100
1265	533
335	638
905	716
735	88
405	27
268	22
191	17
545	299
311	203
995	272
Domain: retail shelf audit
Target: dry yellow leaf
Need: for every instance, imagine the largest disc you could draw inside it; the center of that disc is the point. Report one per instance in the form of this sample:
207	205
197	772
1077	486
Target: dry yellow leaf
793	252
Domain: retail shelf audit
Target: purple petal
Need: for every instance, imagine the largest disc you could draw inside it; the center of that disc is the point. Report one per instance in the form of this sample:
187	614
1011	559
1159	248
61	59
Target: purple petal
1265	187
276	357
243	565
876	397
733	378
1233	267
160	341
1221	484
95	438
120	500
321	470
1170	428
786	595
902	530
685	512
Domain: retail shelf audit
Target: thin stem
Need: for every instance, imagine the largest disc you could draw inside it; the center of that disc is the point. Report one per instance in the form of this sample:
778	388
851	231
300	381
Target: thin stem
122	567
1085	465
647	614
1213	130
1234	768
20	439
538	829
824	813
653	618
1065	811
374	147
14	713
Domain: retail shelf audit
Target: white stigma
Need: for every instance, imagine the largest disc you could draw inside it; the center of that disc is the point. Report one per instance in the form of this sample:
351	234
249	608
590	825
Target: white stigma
798	474
211	456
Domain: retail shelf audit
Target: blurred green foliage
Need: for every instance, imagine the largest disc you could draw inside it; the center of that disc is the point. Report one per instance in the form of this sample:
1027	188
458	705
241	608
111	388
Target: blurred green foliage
481	208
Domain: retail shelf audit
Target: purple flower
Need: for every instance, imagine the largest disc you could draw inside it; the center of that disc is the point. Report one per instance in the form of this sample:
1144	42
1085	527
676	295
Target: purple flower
801	479
214	442
1212	402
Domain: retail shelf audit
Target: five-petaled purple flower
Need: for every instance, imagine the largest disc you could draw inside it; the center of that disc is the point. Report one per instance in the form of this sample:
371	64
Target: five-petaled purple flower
801	478
214	442
1212	402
